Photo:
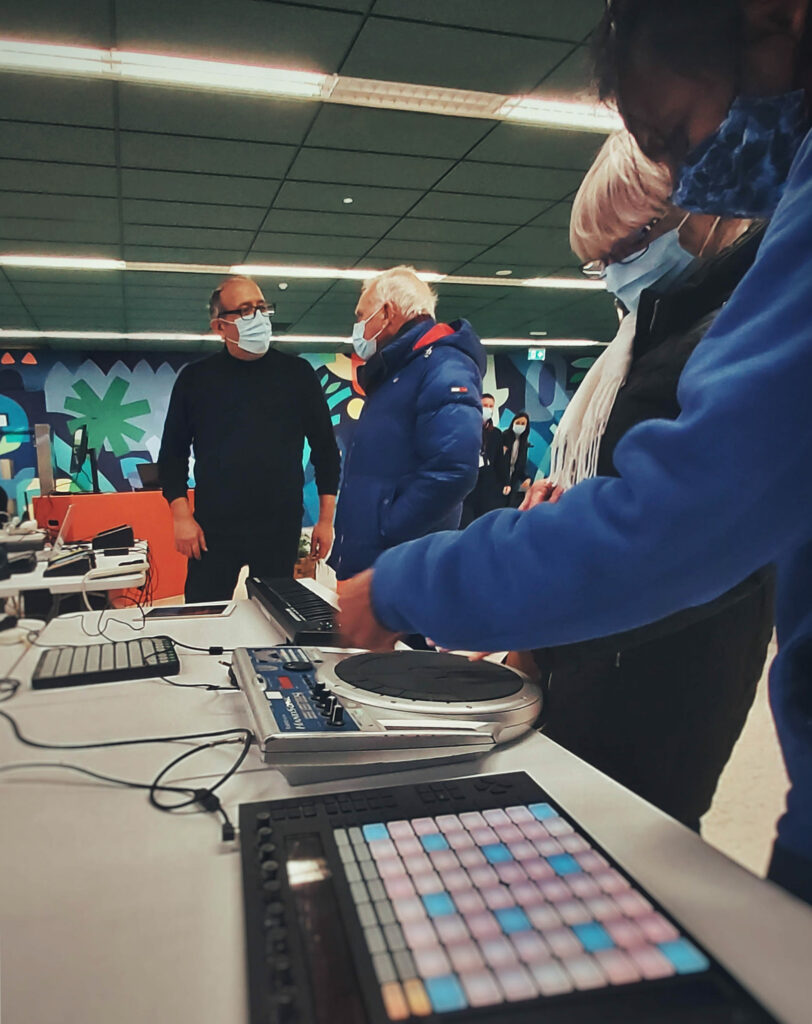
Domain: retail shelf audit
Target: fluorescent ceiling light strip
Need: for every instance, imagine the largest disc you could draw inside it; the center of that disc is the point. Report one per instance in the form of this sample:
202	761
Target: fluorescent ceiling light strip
189	72
591	117
36	262
61	262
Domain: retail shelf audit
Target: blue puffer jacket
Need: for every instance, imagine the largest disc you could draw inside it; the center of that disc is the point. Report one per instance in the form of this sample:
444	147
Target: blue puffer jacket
415	452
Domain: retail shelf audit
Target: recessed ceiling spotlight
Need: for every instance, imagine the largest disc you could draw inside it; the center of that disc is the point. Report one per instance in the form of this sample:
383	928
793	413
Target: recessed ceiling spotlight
283	285
538	334
503	273
347	199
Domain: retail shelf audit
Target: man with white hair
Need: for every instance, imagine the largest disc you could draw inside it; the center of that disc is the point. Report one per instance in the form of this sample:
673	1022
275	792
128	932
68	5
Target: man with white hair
415	452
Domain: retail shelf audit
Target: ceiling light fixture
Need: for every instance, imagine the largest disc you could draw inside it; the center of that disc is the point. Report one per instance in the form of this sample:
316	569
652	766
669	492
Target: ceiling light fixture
187	72
538	334
573	283
320	273
503	273
61	262
37	262
550	113
347	200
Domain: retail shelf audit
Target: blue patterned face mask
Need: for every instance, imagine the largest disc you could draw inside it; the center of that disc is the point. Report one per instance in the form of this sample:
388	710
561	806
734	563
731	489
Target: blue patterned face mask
741	169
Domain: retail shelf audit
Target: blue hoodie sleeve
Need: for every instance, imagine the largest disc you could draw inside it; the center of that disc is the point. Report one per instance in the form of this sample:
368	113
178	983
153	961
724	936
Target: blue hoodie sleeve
700	503
448	435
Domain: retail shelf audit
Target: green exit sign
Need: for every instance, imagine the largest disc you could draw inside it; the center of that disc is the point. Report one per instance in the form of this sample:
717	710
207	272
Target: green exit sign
536	353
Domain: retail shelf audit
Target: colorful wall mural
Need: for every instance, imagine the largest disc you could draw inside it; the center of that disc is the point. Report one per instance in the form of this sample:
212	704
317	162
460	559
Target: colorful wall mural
121	398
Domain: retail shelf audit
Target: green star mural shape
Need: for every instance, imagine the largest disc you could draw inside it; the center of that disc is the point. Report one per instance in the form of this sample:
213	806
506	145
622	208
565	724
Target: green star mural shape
107	418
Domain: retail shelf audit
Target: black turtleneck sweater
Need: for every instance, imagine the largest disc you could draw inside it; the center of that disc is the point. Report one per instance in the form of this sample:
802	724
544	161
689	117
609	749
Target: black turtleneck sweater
247	422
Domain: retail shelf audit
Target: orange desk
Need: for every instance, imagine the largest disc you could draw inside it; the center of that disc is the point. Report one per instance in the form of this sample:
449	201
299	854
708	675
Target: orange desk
145	511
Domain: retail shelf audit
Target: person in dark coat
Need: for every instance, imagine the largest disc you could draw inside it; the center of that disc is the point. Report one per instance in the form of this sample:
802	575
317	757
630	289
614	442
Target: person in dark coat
246	412
415	451
659	708
487	493
515	442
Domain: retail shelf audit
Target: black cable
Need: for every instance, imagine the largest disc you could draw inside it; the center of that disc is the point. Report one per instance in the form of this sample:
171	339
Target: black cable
205	797
95	775
8	688
197	686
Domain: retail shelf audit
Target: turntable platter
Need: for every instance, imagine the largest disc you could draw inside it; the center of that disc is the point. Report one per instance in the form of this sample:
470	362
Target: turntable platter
429	676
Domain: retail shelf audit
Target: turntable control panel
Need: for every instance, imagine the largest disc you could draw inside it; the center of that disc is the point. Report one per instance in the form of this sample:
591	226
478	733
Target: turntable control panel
297	699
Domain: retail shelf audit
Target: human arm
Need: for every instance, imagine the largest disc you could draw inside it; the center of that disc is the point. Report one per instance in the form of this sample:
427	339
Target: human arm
687	518
321	539
173	470
448	437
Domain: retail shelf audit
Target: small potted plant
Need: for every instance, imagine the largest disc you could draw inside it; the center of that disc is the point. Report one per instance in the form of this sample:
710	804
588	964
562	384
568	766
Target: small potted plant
305	567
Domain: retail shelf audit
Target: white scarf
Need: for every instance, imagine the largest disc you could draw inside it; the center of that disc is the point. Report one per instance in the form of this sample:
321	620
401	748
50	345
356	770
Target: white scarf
577	442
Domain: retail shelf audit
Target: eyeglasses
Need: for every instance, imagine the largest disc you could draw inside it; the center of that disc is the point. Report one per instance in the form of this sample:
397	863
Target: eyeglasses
597	268
248	310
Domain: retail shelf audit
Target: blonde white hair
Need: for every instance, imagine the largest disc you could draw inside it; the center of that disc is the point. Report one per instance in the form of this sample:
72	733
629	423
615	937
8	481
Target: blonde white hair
403	288
623	190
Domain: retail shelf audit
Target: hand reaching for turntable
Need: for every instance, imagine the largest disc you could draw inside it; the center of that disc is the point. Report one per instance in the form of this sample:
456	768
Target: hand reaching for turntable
356	617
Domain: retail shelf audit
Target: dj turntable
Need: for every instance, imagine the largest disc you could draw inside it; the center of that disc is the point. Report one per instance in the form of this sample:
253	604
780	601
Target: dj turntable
320	714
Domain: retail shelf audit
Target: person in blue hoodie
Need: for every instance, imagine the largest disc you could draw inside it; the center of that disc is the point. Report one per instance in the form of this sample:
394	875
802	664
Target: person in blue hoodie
719	91
414	455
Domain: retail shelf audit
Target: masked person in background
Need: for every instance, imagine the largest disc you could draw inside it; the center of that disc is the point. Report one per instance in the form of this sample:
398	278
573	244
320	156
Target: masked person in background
415	450
487	492
515	442
720	92
634	704
246	411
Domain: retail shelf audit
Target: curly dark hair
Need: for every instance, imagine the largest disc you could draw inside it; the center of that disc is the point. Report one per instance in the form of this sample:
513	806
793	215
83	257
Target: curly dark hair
692	38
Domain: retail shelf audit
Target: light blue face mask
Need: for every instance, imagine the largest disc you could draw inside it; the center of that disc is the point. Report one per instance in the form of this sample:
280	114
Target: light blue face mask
254	333
365	348
664	257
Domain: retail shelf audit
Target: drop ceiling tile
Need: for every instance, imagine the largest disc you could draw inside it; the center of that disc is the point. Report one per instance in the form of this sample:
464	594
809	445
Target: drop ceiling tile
534	146
138	281
515	182
270	247
52	21
33	176
46	231
572	78
556	216
149	234
202	215
423	252
56	248
342	224
213	116
425	229
56	100
196	188
331	165
251	32
395	131
402	51
172	254
571	21
57	207
181	153
483	209
298	195
23	276
51	142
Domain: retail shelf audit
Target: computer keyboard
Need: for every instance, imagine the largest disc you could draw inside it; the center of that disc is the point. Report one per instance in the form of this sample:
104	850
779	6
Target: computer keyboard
109	662
305	617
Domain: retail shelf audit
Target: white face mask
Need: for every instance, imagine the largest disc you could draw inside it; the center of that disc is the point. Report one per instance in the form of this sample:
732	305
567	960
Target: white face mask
254	333
365	348
487	413
519	429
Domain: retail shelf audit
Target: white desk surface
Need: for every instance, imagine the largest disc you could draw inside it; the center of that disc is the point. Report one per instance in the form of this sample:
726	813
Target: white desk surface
111	911
36	579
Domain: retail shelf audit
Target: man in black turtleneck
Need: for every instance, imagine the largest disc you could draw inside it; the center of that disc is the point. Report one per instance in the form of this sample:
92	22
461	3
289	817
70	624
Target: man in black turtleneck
246	411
